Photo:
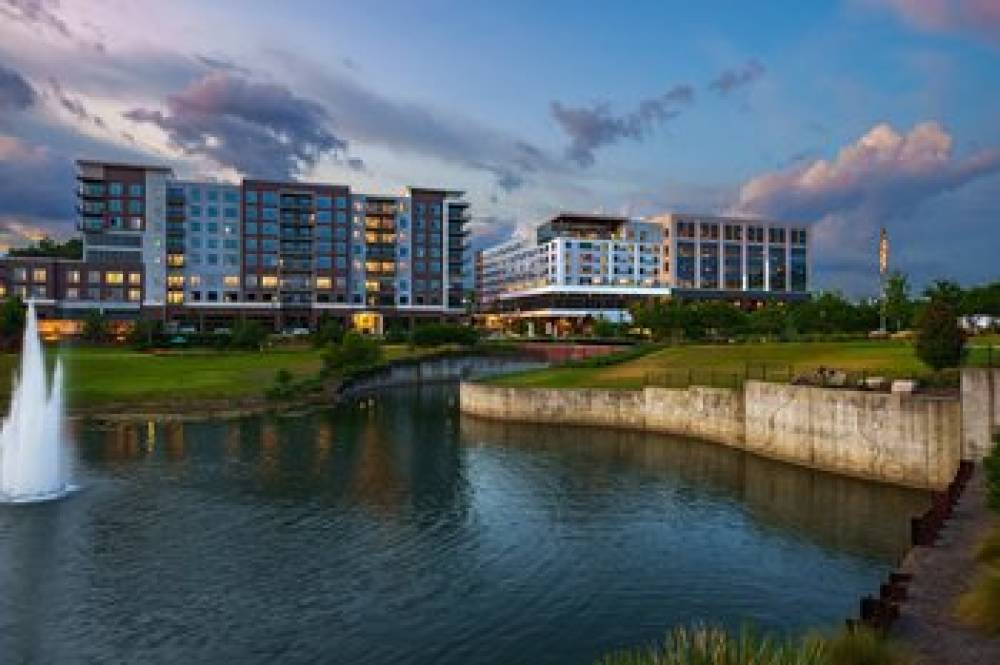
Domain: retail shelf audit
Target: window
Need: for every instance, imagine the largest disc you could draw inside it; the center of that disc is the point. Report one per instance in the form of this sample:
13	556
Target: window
323	283
231	259
134	294
39	291
72	293
324	202
213	211
94	277
115	189
194	211
230	212
268	281
114	205
213	195
135	223
135	190
175	297
231	196
212	227
38	275
270	198
175	281
73	276
114	278
212	259
251	197
135	207
231	280
135	278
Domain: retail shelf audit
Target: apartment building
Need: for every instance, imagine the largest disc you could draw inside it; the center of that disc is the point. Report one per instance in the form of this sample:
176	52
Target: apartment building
578	268
198	254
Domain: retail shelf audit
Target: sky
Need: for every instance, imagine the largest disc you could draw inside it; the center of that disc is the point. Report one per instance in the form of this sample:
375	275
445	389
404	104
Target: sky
847	115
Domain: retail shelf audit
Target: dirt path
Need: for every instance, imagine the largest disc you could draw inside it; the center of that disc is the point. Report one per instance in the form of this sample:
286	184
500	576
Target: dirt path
927	625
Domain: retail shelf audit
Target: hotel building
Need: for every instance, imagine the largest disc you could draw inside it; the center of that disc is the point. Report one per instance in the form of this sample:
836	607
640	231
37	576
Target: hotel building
578	268
202	255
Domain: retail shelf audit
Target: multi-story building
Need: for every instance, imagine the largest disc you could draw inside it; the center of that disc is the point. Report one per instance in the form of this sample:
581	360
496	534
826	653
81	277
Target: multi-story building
579	268
204	254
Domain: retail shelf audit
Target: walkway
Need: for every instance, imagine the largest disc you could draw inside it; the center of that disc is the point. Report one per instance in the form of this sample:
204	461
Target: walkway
927	625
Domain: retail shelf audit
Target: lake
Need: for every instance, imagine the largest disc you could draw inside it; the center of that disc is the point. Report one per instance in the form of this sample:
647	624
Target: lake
402	532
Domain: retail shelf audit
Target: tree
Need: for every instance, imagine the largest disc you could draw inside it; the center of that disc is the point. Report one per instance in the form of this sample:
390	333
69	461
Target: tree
249	335
947	290
355	352
330	331
95	327
47	247
604	328
143	333
940	340
898	306
769	320
11	322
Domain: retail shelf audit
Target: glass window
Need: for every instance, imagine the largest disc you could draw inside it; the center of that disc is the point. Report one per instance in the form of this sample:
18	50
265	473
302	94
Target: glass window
114	205
324	262
212	259
134	294
135	278
250	197
194	211
114	277
231	196
324	202
135	189
270	214
213	211
212	227
231	280
94	277
230	212
115	189
250	228
135	207
39	275
270	198
194	226
213	195
73	277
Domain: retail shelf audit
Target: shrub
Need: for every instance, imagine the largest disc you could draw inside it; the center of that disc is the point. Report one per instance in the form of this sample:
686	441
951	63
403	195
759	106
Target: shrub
144	334
353	353
95	327
248	335
396	333
330	331
604	328
282	387
436	334
940	341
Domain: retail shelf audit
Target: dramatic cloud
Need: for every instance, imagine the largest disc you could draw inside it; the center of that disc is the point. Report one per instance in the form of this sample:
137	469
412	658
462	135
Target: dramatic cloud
731	79
368	117
33	182
595	126
980	18
74	105
43	14
259	129
880	179
15	91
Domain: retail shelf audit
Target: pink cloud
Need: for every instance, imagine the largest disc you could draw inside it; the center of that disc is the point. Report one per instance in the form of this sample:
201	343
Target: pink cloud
976	17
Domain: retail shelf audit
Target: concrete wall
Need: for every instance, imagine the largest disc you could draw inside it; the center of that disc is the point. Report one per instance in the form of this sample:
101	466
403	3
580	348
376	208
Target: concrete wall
900	439
980	410
904	440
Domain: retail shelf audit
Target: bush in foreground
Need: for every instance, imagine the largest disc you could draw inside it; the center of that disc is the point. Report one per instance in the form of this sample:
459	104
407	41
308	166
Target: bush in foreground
353	353
700	645
940	341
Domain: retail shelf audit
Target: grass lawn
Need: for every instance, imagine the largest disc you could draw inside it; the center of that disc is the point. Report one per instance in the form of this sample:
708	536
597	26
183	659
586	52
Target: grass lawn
717	364
118	375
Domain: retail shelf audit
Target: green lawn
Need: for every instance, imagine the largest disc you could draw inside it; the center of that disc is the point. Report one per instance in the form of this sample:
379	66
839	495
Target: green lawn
119	375
724	364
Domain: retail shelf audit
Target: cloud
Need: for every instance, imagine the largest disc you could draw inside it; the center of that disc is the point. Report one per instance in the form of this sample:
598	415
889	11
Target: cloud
219	62
731	79
74	105
43	14
34	182
15	91
879	180
371	118
258	129
591	127
978	18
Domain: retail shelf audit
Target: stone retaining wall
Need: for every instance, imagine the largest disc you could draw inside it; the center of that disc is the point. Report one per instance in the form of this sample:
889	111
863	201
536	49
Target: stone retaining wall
980	410
900	439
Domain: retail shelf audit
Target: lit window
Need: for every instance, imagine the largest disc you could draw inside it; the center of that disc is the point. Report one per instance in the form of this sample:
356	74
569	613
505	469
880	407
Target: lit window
38	275
268	281
73	276
175	280
194	281
3	290
231	280
323	283
175	297
72	293
135	278
114	278
134	294
21	274
175	260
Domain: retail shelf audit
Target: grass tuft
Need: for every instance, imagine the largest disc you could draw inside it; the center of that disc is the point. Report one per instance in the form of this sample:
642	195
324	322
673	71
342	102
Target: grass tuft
980	606
702	645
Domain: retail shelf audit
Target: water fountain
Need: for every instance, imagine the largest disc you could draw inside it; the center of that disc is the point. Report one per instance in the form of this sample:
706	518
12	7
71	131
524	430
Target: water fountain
33	461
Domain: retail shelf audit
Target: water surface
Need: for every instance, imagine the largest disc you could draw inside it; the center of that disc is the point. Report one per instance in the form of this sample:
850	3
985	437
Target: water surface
405	533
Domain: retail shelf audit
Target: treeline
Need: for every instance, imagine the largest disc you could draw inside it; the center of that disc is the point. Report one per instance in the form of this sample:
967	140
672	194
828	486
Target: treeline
824	314
49	248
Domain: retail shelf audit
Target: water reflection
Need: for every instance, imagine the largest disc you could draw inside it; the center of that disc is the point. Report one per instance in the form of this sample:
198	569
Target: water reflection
402	532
